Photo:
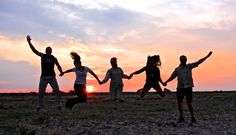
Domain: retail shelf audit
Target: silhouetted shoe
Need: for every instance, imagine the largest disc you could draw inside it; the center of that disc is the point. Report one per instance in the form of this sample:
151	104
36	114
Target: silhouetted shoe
38	109
181	119
70	106
120	100
193	120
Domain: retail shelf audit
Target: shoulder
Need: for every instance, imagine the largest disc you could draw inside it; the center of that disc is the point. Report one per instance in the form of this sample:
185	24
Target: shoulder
87	69
74	69
120	68
177	68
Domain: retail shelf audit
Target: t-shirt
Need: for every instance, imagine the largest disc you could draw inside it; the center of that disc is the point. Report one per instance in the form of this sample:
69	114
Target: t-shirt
184	74
115	73
81	75
47	65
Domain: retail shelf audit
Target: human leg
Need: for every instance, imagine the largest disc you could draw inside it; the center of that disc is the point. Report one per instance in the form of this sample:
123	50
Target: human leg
42	87
119	93
180	97
189	103
53	83
157	87
112	93
145	89
80	91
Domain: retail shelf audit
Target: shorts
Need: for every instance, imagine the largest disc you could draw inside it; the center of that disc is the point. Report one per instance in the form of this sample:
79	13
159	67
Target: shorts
181	92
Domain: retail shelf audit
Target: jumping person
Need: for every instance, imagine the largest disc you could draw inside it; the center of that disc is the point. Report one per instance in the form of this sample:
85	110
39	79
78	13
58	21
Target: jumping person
152	76
185	84
47	74
116	74
80	81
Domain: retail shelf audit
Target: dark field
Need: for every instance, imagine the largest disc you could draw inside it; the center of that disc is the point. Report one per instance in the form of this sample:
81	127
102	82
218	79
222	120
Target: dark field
215	114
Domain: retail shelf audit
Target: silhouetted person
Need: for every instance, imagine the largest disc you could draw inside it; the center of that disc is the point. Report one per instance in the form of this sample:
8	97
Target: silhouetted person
47	73
116	74
185	83
152	76
80	81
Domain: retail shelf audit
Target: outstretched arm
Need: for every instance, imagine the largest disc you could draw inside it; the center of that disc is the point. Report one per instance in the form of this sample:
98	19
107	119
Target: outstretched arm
172	77
125	76
67	71
107	77
32	47
137	72
95	76
58	66
204	58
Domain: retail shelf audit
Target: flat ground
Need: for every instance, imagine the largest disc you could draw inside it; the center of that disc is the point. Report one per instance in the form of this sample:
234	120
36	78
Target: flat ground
215	114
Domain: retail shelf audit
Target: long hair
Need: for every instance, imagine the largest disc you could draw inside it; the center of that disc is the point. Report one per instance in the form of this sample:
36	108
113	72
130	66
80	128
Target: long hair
75	56
156	58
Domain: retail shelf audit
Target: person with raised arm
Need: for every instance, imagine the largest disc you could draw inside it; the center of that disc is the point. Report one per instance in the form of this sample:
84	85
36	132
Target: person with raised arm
185	83
48	75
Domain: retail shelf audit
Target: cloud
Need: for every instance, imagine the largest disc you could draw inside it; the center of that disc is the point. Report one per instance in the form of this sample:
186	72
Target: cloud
17	75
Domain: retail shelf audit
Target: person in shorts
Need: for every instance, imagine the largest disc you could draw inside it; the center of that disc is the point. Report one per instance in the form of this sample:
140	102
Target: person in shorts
48	75
185	84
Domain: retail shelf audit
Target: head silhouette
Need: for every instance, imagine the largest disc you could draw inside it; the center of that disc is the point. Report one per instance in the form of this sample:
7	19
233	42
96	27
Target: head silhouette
153	61
113	62
48	50
183	59
76	59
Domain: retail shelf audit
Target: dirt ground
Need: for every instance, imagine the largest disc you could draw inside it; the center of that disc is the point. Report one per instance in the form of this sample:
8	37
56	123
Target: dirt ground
152	115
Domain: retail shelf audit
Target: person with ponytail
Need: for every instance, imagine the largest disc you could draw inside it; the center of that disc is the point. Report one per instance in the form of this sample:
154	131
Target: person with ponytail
152	76
80	81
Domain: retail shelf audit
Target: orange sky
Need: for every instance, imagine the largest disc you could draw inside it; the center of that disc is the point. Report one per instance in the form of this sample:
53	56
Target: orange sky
99	30
216	73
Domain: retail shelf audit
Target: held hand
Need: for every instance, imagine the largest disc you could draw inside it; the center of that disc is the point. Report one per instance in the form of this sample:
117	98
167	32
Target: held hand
100	82
130	76
209	54
28	38
164	83
61	74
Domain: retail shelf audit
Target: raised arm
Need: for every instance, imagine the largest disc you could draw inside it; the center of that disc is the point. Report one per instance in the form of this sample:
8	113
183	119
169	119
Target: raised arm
58	66
32	47
204	58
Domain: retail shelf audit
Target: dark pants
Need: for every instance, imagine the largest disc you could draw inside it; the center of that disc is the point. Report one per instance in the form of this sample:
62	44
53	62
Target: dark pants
80	91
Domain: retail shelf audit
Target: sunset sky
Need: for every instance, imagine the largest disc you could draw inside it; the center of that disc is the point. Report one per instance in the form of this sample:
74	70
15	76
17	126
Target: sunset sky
127	29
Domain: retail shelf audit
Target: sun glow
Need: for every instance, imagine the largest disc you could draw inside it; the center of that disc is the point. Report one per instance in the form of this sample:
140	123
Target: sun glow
90	88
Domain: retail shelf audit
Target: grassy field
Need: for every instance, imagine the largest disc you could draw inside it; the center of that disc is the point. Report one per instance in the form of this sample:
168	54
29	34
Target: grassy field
152	115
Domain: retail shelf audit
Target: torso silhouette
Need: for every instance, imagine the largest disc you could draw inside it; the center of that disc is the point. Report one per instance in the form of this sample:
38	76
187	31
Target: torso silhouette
47	65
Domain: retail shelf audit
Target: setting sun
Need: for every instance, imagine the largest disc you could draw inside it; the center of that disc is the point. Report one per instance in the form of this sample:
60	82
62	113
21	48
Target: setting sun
90	88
